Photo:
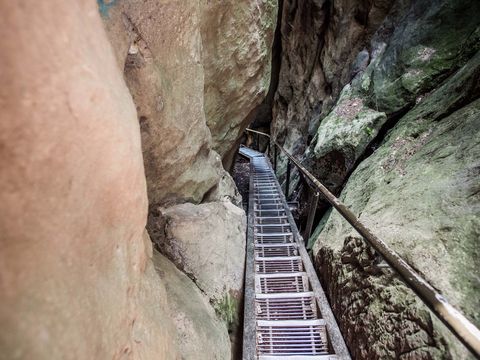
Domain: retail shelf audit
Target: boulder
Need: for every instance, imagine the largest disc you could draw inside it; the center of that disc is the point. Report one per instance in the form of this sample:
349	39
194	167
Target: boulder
207	242
342	138
237	39
159	47
200	335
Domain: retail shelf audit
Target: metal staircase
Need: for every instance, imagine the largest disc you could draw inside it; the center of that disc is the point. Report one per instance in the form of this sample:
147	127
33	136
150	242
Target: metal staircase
287	315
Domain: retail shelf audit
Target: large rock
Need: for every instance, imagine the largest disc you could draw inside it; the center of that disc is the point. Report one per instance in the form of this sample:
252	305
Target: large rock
419	192
200	335
426	47
76	278
159	47
342	138
237	39
207	242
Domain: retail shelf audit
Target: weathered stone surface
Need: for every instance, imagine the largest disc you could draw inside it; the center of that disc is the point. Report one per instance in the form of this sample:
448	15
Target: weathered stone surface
159	43
200	334
401	53
207	242
320	42
76	280
419	192
342	138
426	47
237	40
225	190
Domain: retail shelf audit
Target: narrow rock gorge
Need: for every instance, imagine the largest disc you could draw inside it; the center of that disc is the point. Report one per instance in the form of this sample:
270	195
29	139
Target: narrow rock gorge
123	233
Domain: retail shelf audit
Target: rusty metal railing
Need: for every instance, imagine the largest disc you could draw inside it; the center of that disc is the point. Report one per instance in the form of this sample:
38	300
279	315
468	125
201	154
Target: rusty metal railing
456	322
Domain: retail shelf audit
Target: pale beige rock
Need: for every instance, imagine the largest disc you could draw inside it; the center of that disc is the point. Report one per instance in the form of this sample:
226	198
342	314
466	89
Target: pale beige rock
225	190
164	73
207	242
200	335
237	41
75	276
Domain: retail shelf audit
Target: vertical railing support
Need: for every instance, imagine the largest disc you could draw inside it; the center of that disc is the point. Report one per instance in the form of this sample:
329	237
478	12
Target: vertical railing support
312	209
274	158
287	184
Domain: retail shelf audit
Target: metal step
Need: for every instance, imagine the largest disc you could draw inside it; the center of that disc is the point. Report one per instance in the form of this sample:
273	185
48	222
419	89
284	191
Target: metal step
291	337
286	306
298	357
281	283
281	264
276	250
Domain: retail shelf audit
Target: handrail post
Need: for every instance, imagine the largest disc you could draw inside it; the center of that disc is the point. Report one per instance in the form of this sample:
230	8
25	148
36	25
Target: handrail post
287	184
274	157
312	209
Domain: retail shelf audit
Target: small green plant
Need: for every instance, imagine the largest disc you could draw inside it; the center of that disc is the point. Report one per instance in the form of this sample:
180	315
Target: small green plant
227	310
369	131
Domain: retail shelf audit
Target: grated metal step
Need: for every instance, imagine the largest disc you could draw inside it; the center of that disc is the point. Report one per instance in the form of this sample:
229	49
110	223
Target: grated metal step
286	306
276	250
281	264
291	337
281	283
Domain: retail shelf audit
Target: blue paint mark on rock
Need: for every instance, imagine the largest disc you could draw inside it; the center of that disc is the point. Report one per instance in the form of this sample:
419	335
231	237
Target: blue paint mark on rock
104	6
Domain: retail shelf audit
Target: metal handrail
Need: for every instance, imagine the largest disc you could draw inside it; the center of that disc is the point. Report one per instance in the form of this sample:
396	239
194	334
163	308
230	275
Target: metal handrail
456	322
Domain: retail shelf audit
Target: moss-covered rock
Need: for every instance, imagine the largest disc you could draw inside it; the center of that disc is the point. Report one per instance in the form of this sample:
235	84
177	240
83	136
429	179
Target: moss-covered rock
426	47
343	135
419	193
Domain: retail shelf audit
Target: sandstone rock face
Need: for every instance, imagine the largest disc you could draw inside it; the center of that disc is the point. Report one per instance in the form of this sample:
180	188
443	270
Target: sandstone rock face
200	334
398	65
225	190
207	242
419	192
160	43
76	278
320	41
237	40
159	46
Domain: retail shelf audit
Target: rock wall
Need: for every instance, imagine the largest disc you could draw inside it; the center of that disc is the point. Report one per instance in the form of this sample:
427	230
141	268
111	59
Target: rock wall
158	44
320	41
393	99
406	64
76	278
237	39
